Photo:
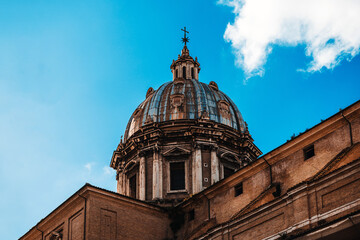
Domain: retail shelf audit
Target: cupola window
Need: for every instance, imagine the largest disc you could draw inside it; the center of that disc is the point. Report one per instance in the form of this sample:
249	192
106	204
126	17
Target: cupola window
176	73
192	73
177	175
184	72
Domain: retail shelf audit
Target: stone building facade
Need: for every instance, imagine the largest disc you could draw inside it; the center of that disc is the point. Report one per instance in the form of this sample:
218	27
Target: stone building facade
187	168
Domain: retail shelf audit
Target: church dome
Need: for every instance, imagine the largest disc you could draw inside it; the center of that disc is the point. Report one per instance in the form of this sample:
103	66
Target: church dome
185	99
185	136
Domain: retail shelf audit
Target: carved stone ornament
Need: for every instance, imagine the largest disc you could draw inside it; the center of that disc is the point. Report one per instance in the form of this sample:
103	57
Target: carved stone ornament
224	109
176	151
205	115
148	119
149	92
176	100
213	85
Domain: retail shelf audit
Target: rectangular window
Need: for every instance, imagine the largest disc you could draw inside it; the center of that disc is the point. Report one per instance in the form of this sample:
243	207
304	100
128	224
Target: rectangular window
177	176
238	189
132	186
228	172
191	215
309	152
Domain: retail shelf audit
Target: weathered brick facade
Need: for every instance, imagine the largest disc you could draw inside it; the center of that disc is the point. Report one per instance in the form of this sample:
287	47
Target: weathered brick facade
102	214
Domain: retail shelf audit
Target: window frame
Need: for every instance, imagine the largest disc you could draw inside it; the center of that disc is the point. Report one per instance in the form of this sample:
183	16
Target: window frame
136	185
306	150
237	187
171	175
186	166
184	72
191	215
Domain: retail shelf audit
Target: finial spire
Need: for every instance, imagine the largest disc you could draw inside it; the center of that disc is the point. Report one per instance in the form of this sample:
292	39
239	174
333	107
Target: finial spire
185	39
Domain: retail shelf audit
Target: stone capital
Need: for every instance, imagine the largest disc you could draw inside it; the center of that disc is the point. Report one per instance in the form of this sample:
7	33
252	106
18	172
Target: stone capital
197	145
141	154
214	147
156	148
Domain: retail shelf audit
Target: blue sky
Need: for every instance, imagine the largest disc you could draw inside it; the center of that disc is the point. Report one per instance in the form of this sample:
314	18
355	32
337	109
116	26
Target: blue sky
72	72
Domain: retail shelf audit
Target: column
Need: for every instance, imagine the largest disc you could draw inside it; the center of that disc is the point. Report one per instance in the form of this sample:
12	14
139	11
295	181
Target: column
160	176
142	178
197	170
215	176
124	183
120	182
157	175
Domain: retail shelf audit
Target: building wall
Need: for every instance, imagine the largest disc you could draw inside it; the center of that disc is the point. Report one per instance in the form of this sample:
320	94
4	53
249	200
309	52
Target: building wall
293	169
304	208
114	219
69	218
288	169
106	216
355	122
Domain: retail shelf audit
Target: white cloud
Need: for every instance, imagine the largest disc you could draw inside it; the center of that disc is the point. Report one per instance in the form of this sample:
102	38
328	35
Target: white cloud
108	170
328	28
88	166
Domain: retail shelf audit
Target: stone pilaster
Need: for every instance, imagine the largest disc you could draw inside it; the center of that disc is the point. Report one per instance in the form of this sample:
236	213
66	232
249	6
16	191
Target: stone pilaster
215	167
126	185
197	170
120	183
142	178
157	175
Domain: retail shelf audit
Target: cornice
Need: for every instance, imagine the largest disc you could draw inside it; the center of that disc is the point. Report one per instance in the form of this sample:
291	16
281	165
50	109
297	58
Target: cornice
316	132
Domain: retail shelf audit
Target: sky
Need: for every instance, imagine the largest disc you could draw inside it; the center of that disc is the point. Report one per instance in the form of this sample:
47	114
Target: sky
72	73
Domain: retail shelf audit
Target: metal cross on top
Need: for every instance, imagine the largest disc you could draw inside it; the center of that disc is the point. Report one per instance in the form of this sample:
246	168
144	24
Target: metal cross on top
185	39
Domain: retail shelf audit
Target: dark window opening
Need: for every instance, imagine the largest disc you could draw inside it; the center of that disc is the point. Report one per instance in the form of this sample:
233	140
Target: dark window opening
238	189
176	73
309	152
184	72
56	235
177	176
192	73
191	215
132	183
277	192
228	172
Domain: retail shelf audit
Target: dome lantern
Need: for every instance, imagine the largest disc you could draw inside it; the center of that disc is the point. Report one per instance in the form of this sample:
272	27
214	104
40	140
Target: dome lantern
185	67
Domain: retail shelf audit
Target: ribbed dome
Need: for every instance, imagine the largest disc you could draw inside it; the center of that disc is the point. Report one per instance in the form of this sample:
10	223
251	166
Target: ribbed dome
185	99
